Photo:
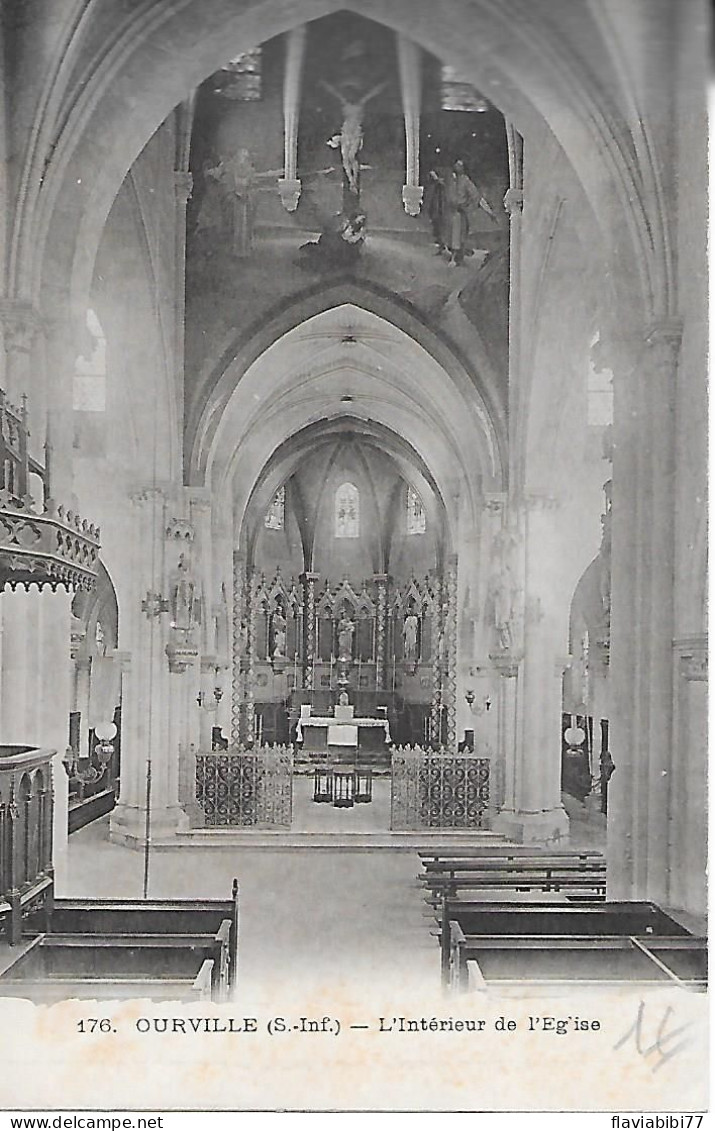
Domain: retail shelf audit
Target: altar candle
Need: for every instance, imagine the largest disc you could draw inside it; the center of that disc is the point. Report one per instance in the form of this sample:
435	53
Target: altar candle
295	671
359	667
394	672
332	661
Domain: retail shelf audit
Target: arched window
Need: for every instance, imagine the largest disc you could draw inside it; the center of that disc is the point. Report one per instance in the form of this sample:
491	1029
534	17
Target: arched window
276	513
415	518
347	511
89	393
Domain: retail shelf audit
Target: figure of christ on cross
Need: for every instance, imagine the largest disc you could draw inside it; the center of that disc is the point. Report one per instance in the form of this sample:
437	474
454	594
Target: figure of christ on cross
350	138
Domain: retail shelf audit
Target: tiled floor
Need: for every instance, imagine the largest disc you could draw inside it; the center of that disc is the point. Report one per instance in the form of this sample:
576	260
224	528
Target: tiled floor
322	915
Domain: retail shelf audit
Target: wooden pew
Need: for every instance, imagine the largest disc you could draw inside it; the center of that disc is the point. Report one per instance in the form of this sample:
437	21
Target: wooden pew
580	875
155	944
605	944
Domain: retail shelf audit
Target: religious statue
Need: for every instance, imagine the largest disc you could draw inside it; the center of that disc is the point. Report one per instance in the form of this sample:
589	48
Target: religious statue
278	635
346	631
409	635
349	140
461	195
503	605
237	180
182	597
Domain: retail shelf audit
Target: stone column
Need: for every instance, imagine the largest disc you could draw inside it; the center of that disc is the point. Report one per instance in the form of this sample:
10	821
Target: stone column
36	687
289	186
410	63
503	791
148	801
640	855
380	580
449	684
183	187
308	581
239	636
687	880
439	653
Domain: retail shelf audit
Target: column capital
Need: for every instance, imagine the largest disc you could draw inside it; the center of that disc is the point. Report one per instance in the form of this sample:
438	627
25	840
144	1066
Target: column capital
507	663
494	502
380	578
150	492
309	576
180	530
693	657
665	331
514	201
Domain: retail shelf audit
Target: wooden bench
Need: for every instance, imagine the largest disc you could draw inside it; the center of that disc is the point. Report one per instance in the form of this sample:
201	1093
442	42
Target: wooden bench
603	944
581	875
186	947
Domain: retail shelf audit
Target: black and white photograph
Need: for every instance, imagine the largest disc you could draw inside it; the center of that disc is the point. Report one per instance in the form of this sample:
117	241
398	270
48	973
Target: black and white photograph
353	556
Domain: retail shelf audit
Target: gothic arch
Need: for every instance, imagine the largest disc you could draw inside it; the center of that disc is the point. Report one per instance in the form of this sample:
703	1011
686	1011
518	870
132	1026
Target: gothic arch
218	380
116	96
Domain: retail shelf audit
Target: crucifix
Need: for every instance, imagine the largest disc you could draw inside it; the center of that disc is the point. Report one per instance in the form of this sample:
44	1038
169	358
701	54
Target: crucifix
349	140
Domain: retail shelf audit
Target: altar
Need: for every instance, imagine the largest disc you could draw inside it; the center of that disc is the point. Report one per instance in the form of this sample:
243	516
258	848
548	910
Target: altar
341	733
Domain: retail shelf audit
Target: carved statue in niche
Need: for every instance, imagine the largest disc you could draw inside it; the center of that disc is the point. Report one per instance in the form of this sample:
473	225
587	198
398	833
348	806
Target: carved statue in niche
350	139
346	632
410	630
183	589
504	591
278	635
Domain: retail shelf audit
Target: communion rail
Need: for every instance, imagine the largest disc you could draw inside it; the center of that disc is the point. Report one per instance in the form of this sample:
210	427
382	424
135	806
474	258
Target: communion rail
237	788
439	790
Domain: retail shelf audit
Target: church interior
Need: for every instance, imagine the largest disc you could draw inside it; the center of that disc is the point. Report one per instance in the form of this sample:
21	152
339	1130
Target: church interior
353	477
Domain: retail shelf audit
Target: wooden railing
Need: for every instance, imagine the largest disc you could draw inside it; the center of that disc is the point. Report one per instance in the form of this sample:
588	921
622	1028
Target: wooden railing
26	805
41	541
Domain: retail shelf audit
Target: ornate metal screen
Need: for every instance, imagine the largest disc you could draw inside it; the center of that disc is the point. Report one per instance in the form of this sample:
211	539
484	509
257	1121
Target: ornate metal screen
433	790
239	788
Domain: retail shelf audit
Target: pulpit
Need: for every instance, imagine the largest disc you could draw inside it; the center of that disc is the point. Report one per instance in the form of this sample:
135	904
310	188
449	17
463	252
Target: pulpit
26	801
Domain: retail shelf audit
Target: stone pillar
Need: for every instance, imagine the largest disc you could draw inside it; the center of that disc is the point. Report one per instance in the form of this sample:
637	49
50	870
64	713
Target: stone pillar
410	63
640	855
82	672
183	187
449	683
289	186
503	791
239	636
514	205
308	581
36	688
687	880
148	801
380	580
438	657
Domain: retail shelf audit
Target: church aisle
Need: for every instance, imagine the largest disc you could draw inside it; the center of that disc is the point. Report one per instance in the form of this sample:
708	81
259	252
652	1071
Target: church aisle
314	918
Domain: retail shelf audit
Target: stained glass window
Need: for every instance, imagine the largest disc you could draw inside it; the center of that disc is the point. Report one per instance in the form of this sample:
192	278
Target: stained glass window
89	390
241	78
276	513
347	511
460	95
416	520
